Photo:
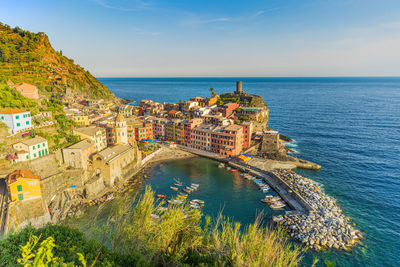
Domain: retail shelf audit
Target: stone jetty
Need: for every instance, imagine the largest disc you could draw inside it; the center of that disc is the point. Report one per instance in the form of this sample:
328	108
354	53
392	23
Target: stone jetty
324	225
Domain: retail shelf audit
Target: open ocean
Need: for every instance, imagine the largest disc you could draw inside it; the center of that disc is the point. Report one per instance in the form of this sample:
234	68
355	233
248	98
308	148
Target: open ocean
350	126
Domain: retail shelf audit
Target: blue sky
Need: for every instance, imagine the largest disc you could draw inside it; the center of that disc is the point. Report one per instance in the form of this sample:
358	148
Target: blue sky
146	38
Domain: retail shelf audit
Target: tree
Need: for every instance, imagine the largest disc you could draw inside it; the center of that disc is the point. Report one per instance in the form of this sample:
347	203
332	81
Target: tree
213	92
5	54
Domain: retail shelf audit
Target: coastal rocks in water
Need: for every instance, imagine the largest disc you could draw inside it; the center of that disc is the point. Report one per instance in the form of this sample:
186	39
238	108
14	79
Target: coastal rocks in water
325	226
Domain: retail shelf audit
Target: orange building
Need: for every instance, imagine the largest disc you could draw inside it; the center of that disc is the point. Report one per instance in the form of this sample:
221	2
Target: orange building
27	90
139	129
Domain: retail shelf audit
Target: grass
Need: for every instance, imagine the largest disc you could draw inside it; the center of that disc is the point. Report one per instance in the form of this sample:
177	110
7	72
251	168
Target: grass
183	236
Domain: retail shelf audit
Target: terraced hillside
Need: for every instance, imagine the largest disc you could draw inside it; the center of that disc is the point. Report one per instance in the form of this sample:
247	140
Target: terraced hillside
29	57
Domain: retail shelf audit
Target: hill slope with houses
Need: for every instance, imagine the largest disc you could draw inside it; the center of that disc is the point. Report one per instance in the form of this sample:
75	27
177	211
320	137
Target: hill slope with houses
29	57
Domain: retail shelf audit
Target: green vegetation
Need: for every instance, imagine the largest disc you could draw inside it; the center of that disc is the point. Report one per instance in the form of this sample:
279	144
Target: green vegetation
29	57
10	98
61	244
181	236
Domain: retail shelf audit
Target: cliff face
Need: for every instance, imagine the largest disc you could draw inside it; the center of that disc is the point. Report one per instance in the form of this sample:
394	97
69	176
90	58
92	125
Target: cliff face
29	57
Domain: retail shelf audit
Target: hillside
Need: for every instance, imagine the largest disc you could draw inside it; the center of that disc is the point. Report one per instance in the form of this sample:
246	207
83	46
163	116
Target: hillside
29	57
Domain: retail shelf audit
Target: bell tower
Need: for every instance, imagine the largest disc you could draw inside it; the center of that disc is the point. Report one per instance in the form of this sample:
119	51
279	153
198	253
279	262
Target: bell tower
121	130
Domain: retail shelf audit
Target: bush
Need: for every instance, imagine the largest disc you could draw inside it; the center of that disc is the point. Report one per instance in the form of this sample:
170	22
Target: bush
68	242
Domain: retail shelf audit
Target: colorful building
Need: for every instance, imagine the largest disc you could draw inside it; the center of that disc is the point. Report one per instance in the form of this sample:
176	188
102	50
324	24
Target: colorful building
159	127
227	109
81	119
23	185
225	140
96	134
189	125
77	155
247	134
30	149
27	90
16	119
139	129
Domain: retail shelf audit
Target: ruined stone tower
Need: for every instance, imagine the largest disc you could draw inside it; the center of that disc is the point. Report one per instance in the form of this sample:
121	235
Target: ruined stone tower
239	89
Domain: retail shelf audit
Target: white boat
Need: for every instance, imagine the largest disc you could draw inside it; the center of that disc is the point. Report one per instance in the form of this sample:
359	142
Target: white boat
228	168
194	206
221	165
198	201
277	206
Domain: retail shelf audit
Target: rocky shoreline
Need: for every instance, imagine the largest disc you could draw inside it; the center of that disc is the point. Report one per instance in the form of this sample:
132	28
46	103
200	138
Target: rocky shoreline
325	225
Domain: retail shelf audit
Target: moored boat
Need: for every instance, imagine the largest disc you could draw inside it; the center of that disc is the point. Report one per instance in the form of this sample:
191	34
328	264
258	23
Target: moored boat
160	196
174	188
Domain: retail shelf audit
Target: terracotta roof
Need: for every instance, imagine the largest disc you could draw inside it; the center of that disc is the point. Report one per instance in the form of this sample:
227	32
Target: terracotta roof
12	111
28	88
174	111
18	174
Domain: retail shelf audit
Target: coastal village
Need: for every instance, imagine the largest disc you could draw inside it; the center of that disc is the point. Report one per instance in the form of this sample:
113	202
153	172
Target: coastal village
107	142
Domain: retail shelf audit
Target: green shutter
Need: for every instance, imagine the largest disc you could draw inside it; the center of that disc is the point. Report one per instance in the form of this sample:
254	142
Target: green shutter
17	117
27	122
21	196
19	188
18	124
27	157
34	155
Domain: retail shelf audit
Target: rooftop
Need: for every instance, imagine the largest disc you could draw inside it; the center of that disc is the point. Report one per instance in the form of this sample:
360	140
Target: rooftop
33	141
90	130
18	174
233	127
12	111
111	153
81	144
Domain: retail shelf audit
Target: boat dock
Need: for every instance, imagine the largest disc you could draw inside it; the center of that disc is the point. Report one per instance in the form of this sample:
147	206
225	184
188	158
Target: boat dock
290	196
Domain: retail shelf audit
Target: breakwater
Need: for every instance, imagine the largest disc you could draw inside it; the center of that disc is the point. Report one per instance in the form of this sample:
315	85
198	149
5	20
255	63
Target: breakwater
325	225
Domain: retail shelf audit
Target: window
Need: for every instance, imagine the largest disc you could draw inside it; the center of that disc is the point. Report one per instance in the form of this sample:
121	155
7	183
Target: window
34	147
19	188
29	115
43	145
2	117
17	117
40	153
34	155
27	122
20	197
18	124
27	157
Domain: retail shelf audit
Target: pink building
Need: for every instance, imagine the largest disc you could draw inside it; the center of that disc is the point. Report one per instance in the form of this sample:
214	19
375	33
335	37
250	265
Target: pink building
189	126
225	140
159	127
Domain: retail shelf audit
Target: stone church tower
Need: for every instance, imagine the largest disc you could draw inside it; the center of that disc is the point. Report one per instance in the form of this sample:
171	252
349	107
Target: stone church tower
121	130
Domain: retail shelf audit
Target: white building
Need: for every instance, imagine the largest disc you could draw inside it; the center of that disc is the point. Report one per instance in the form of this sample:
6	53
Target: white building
16	119
30	149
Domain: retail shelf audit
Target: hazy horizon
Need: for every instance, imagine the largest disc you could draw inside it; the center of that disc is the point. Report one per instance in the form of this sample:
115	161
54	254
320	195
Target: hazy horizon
145	38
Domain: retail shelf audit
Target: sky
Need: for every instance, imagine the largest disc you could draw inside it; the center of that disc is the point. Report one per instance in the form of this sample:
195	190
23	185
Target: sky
218	38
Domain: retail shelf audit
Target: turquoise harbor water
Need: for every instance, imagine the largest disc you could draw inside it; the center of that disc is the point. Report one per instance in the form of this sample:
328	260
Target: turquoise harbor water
351	126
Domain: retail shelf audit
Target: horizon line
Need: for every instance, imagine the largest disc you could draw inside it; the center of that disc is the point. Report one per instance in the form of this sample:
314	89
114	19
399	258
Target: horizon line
333	76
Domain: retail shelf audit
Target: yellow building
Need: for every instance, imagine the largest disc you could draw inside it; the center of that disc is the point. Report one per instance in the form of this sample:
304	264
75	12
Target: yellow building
81	120
23	185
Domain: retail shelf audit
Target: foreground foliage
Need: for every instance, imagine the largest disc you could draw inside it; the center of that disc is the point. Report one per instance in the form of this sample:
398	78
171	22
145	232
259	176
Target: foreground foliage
181	235
67	246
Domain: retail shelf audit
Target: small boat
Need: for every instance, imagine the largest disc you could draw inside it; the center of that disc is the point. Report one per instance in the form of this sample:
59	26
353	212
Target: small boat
194	206
181	197
198	201
174	188
160	196
187	190
162	208
265	190
178	183
195	185
221	165
175	201
277	206
182	194
228	168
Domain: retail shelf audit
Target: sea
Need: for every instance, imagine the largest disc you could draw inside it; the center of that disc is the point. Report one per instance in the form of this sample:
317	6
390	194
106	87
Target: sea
349	125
